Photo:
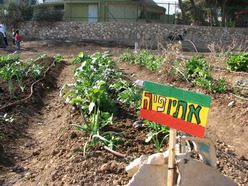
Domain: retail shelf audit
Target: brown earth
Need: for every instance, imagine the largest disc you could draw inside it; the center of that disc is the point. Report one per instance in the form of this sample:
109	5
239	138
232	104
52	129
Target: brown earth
43	147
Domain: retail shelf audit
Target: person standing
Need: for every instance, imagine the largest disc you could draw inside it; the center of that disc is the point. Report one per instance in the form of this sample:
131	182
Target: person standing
18	40
13	36
3	31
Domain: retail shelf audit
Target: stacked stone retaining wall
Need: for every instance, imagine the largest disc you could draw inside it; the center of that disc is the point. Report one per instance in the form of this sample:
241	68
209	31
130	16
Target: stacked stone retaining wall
147	35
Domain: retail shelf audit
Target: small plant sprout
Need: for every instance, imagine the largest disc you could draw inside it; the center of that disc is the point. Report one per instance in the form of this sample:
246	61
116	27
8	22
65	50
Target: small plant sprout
157	134
58	58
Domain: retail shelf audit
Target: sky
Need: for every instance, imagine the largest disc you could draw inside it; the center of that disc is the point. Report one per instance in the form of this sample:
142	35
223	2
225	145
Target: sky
164	3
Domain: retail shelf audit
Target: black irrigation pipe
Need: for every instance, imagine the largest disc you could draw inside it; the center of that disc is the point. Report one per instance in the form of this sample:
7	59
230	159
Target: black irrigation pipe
31	89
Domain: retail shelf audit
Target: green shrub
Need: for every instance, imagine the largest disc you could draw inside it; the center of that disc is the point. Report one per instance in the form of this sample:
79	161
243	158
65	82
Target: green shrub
26	12
47	13
127	56
143	58
238	62
12	13
199	72
197	67
8	59
12	69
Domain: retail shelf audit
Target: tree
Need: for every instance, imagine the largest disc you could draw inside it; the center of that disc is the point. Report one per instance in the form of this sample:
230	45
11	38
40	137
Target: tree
208	11
12	14
183	11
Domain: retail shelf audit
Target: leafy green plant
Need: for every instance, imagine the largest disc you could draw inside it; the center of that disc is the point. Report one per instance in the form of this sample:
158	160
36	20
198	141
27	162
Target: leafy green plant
119	85
154	63
58	58
199	72
91	94
8	59
97	121
18	70
35	71
9	71
131	96
143	58
87	95
127	93
197	67
127	56
14	70
238	62
157	134
79	58
7	75
151	62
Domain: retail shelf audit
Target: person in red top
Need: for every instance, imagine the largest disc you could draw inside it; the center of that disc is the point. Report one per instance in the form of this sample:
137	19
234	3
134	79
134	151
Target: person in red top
18	40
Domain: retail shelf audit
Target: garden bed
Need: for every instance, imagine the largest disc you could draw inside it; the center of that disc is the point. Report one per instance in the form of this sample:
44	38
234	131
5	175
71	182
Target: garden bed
49	149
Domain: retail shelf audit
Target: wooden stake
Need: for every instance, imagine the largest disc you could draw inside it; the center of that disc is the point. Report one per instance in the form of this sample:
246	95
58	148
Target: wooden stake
171	158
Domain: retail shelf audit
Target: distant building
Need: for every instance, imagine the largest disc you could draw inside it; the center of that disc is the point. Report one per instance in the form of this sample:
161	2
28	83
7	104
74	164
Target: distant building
111	10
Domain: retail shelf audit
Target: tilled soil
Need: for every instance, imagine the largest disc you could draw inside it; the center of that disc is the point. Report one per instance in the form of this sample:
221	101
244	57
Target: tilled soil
45	149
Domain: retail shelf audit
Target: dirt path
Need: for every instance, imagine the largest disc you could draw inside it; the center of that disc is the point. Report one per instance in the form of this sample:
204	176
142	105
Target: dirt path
34	150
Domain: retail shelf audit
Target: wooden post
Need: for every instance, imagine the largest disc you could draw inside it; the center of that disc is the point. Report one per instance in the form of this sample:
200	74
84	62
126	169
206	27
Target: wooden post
171	159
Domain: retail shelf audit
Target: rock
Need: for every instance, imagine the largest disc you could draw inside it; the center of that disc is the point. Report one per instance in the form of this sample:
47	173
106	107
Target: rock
36	153
193	172
134	166
231	104
54	175
243	158
55	151
204	148
156	159
18	169
150	175
138	124
104	167
73	135
28	174
113	166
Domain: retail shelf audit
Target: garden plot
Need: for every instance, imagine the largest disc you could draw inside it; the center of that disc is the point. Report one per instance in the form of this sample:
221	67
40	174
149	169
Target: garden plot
58	148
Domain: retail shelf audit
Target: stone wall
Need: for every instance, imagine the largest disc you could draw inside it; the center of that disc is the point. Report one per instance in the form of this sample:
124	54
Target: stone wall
147	35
